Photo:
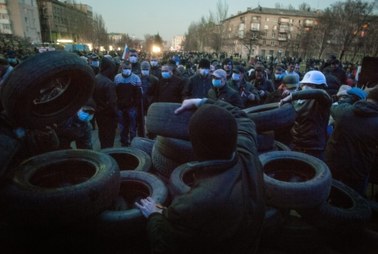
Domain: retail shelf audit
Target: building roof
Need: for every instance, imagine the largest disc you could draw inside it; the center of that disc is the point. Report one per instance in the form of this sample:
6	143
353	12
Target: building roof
275	11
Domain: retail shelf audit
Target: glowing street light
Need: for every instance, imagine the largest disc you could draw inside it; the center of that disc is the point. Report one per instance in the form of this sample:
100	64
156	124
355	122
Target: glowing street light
156	49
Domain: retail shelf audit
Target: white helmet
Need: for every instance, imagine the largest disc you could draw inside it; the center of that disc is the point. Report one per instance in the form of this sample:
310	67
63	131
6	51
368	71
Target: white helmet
314	77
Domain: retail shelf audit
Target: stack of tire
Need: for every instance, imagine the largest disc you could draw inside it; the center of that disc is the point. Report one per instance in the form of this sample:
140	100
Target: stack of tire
307	209
268	118
67	195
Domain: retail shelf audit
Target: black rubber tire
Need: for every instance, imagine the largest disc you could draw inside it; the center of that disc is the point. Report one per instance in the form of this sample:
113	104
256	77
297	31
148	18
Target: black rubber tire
163	166
119	224
21	94
144	144
179	150
345	211
130	158
181	180
279	146
271	116
295	180
161	120
61	187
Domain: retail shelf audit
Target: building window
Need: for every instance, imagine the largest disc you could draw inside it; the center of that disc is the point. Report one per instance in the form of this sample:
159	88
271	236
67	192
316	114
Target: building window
272	43
267	19
274	27
266	27
255	26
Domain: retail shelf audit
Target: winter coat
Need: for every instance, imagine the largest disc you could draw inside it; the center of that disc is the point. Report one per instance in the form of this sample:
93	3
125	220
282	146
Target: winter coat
309	131
353	146
197	87
227	94
224	210
168	90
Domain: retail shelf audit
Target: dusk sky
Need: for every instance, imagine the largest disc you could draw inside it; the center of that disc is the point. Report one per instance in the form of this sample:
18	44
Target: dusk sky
172	17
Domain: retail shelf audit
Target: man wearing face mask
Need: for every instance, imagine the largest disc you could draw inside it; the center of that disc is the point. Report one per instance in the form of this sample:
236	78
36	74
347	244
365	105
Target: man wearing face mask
77	129
199	84
221	91
169	88
94	62
155	67
127	85
247	92
279	74
147	80
133	59
312	104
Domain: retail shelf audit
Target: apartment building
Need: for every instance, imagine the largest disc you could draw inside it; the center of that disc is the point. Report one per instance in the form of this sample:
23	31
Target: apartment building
65	20
20	18
266	31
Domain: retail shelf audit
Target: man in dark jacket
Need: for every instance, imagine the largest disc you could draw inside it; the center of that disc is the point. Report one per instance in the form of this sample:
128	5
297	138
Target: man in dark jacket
221	91
352	147
199	84
224	210
169	88
105	98
248	93
312	104
262	83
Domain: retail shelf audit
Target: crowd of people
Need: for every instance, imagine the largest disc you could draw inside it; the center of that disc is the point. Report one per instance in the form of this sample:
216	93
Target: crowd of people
336	122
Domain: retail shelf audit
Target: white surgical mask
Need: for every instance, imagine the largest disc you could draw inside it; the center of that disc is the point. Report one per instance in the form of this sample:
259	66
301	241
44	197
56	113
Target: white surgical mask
204	72
145	72
133	59
126	72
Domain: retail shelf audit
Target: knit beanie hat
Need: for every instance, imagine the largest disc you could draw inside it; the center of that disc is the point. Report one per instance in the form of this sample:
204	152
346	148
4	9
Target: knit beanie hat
291	81
213	133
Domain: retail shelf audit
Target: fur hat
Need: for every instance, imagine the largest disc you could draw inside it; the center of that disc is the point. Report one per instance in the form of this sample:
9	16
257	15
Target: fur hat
213	133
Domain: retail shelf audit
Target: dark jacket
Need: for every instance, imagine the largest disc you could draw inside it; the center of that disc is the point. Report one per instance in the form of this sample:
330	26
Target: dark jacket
197	87
310	127
224	210
168	90
244	89
227	94
76	130
352	147
263	85
148	82
104	94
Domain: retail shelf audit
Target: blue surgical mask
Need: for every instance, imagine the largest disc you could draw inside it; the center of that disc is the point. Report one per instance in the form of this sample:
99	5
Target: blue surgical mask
133	59
84	116
217	83
126	72
154	63
145	72
204	72
166	74
279	76
95	63
235	76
